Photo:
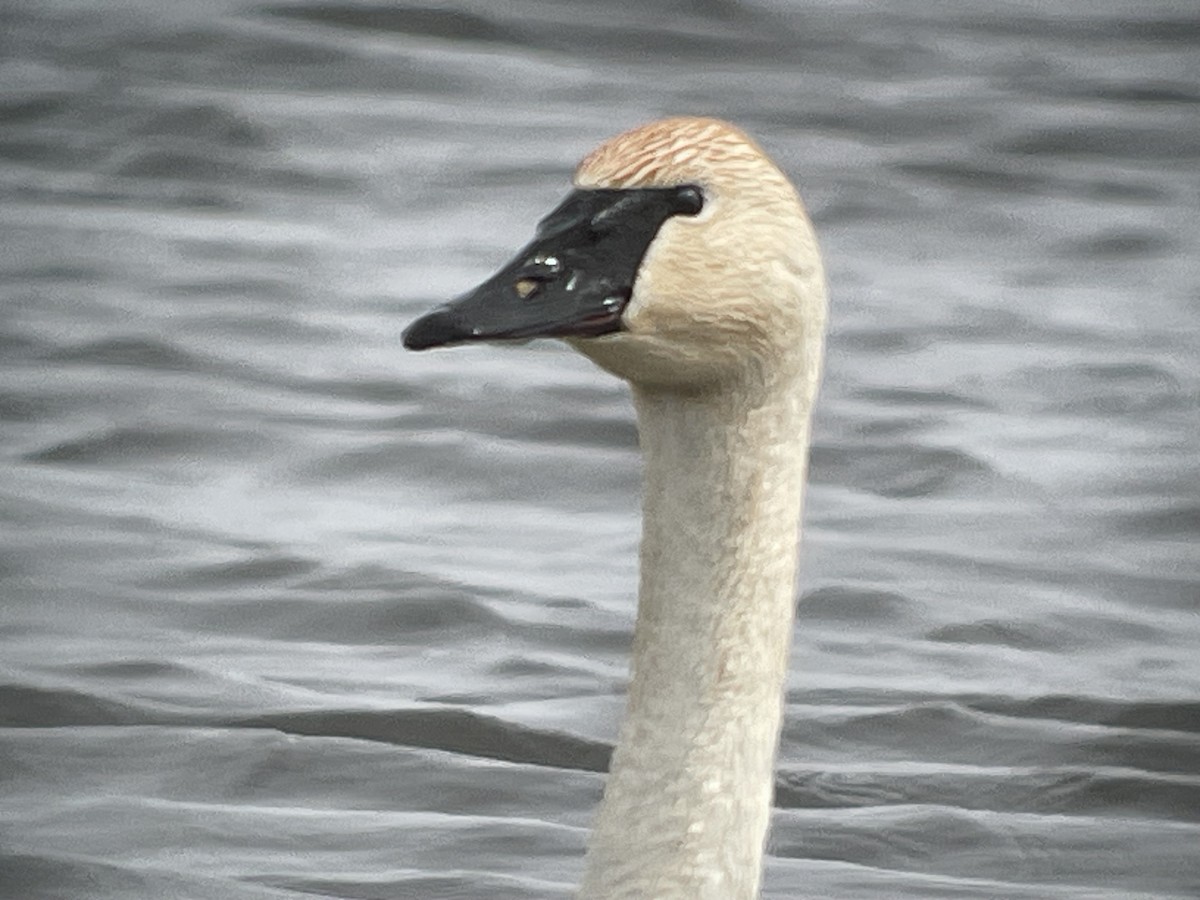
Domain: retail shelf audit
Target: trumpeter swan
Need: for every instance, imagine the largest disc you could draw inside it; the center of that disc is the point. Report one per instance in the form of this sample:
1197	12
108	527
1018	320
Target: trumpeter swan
684	263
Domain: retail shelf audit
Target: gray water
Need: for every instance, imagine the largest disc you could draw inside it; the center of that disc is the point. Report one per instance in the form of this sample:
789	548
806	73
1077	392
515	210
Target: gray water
289	612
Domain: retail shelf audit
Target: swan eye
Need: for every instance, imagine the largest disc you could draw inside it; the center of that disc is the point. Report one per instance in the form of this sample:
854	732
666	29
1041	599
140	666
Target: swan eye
691	199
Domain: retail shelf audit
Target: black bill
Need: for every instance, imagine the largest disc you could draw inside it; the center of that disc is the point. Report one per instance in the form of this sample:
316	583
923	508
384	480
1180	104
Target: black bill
573	280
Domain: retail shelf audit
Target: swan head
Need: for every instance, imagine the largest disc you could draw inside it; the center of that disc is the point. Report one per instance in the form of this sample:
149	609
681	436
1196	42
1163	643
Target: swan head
683	260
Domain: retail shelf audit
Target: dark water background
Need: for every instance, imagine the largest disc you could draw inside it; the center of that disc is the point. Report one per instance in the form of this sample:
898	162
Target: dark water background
288	612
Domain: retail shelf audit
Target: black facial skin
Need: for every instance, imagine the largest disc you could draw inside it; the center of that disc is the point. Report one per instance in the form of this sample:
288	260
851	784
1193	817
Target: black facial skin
573	280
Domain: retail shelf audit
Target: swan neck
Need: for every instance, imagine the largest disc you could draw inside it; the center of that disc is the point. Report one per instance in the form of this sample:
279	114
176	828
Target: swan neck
687	802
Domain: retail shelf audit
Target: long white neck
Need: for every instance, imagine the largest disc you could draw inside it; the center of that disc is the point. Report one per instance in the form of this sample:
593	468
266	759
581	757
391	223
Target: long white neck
687	803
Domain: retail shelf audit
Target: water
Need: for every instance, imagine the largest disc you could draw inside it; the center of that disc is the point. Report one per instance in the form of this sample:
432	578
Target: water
289	612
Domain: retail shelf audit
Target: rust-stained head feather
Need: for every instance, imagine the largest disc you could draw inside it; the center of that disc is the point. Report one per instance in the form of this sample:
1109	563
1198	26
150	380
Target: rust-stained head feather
681	150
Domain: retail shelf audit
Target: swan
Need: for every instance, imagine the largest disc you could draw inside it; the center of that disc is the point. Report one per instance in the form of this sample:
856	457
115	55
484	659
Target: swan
684	263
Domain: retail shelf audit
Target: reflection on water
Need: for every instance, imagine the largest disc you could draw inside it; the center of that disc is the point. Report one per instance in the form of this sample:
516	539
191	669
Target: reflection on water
291	612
